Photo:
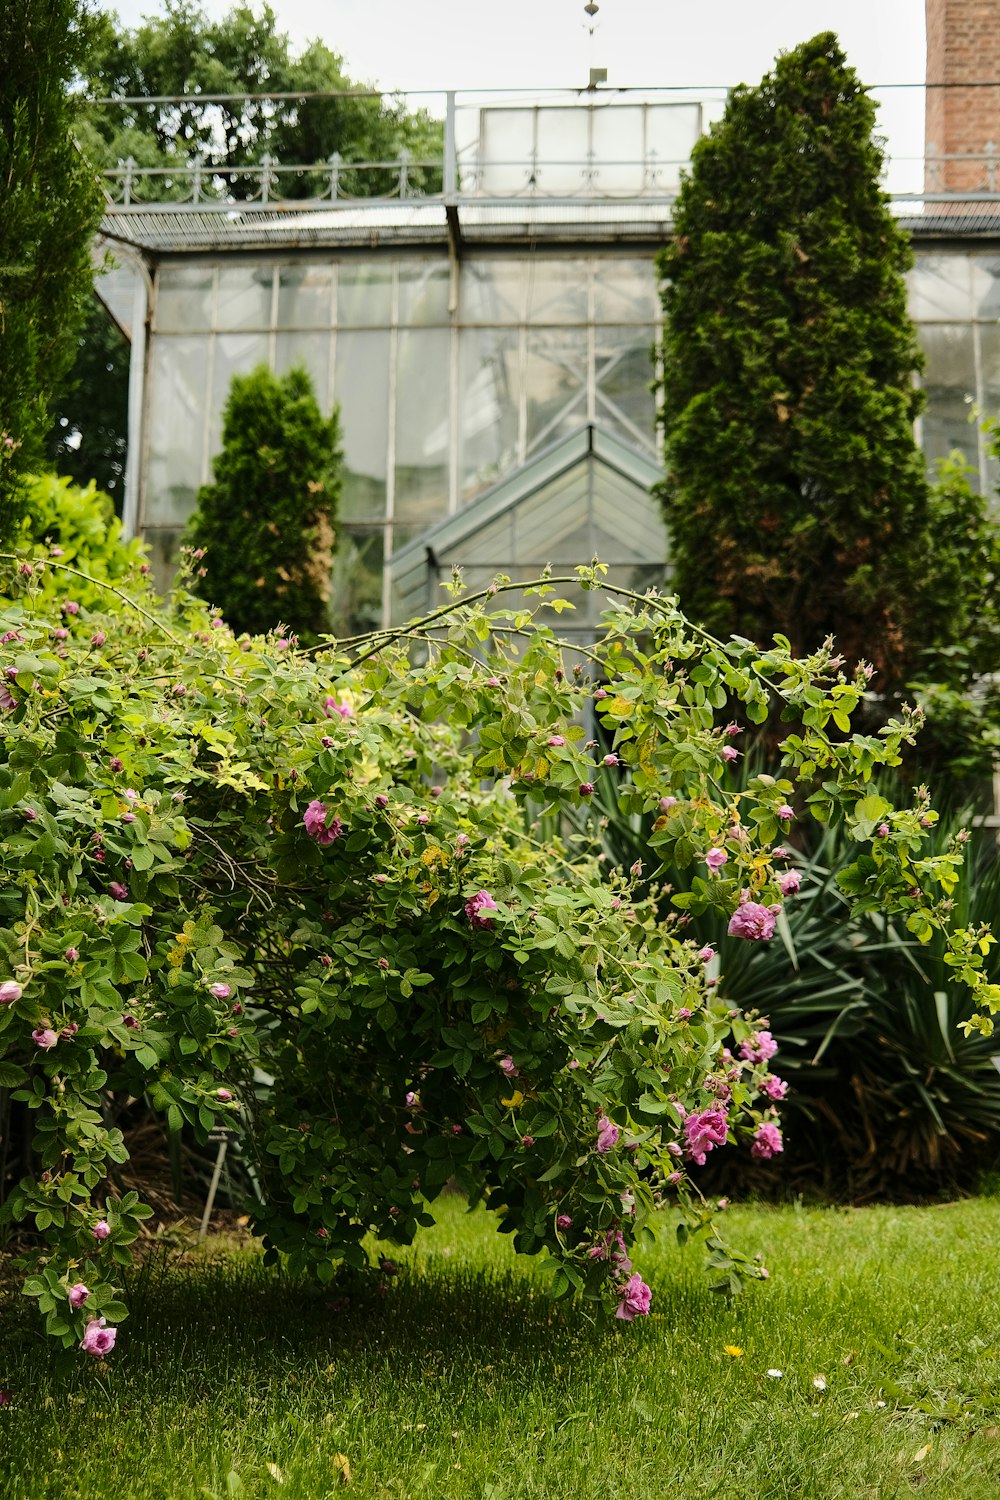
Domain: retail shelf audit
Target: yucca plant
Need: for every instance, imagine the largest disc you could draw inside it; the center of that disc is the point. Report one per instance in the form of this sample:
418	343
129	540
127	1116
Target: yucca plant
887	1098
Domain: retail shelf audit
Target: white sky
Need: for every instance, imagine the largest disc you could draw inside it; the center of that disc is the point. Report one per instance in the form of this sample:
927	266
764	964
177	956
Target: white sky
468	44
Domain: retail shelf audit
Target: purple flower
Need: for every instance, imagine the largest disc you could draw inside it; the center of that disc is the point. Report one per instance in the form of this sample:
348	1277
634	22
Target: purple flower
98	1340
224	1096
636	1299
71	955
476	905
752	921
703	1131
785	812
331	707
556	740
128	817
706	954
882	830
611	760
767	1141
586	788
98	638
316	825
666	803
774	1088
130	1023
563	1221
101	1229
728	753
7	699
684	1014
492	682
716	858
507	1066
70	607
117	890
759	1047
219	991
733	728
9	992
607	1135
790	882
45	1038
78	1295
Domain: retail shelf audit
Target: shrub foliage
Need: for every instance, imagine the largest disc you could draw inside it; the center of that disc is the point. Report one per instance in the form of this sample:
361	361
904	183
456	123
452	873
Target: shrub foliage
309	895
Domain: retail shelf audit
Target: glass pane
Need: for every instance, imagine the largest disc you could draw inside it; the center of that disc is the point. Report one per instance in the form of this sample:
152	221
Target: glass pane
183	301
364	295
617	137
950	383
311	350
164	549
422	425
305	296
507	137
624	370
555	380
557	291
939	288
562	151
243	299
177	404
671	132
116	289
625	291
986	286
357	580
361	388
235	354
492	291
423	292
487	407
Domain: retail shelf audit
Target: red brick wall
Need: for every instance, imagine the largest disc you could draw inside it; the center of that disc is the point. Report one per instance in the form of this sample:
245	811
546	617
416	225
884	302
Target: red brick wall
963	46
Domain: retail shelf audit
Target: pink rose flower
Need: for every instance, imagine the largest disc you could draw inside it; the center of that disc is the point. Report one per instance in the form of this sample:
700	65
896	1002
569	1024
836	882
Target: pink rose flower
98	1340
666	803
316	824
117	890
224	1096
101	1229
703	1131
636	1299
785	812
219	991
78	1295
586	788
563	1221
790	882
507	1066
476	905
716	858
45	1038
767	1141
728	753
759	1047
71	955
331	707
556	740
9	992
774	1087
706	954
752	921
607	1135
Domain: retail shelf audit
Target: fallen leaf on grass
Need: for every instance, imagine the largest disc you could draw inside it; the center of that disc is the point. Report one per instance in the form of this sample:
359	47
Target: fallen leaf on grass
922	1453
342	1468
275	1473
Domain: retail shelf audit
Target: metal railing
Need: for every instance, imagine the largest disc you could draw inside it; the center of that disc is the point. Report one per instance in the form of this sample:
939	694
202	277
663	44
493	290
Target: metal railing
468	170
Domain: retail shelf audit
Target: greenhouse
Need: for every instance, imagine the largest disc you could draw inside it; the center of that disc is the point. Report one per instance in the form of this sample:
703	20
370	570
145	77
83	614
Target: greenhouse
465	331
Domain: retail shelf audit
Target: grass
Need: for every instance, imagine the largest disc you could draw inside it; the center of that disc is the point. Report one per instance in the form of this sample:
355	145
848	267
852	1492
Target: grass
462	1380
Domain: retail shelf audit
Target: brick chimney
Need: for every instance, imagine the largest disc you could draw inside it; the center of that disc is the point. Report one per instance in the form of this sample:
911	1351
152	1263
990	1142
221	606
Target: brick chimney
963	47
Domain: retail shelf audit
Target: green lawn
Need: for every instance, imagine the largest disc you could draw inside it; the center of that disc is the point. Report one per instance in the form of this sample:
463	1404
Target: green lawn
462	1380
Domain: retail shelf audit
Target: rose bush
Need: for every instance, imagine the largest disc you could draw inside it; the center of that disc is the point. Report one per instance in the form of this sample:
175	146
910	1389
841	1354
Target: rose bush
315	896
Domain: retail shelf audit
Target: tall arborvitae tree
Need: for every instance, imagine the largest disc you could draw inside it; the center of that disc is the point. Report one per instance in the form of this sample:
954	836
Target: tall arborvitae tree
50	207
266	523
795	494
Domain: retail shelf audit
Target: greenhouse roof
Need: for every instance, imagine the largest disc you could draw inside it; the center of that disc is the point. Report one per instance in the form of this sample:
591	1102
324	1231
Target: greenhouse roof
585	496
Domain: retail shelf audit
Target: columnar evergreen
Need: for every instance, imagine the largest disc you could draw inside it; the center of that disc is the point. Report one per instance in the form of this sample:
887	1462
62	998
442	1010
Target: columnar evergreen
266	523
795	492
